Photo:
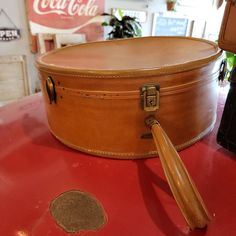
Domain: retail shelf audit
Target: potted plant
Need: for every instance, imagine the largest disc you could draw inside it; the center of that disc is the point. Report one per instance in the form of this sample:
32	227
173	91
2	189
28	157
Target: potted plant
171	5
231	62
122	26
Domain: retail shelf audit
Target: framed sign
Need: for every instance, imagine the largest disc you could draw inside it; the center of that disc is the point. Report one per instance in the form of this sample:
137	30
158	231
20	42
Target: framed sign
62	17
140	15
8	33
171	25
13	78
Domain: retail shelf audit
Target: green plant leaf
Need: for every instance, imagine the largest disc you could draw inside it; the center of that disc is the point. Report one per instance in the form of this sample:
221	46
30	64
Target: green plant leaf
138	30
129	26
125	27
105	14
105	24
231	59
120	13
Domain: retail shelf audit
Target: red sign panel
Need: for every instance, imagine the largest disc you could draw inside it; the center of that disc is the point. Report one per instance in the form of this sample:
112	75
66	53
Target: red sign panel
66	16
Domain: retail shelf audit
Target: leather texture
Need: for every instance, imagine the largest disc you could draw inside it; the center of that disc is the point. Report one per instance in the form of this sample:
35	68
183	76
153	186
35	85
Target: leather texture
98	102
227	37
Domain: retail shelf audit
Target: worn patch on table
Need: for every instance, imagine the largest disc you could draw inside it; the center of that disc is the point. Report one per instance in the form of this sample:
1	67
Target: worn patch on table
76	211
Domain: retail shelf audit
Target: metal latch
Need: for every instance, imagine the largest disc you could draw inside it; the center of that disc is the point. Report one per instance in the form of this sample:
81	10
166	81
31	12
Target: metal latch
150	97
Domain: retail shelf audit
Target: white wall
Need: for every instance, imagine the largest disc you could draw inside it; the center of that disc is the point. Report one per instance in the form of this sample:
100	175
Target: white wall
17	12
200	11
150	6
15	9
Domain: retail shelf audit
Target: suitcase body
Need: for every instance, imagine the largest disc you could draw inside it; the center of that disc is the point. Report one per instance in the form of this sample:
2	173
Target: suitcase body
97	95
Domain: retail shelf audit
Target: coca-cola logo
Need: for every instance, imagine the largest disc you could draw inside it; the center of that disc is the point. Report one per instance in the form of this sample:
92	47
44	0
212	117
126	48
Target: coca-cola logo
66	16
66	7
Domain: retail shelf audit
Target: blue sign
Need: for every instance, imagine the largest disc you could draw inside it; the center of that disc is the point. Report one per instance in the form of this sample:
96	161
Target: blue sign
168	26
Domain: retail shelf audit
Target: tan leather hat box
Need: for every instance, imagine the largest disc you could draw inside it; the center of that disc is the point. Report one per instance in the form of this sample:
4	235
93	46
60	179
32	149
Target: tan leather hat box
97	95
103	98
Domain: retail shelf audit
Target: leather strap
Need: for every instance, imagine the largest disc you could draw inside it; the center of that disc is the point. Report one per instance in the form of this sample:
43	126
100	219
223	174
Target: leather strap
181	184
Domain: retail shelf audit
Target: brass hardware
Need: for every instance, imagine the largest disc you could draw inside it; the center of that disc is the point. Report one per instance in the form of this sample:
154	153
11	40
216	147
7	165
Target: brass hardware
150	121
50	87
223	69
146	136
150	97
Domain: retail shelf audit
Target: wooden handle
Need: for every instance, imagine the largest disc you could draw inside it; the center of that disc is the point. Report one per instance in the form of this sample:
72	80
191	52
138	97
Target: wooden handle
181	184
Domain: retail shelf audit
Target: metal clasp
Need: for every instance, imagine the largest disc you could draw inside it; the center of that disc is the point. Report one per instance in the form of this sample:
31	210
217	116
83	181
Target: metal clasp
150	97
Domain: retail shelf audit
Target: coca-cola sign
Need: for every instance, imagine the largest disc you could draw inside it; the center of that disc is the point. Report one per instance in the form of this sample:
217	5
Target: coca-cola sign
66	7
66	16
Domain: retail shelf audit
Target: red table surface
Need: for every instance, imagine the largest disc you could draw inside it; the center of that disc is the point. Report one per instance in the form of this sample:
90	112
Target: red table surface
35	168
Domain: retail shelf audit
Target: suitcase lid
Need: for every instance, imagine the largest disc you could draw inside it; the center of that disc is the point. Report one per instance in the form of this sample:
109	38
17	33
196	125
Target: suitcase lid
145	55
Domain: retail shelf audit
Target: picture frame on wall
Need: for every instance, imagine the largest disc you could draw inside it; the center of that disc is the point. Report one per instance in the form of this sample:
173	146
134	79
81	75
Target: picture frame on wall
141	16
15	84
171	25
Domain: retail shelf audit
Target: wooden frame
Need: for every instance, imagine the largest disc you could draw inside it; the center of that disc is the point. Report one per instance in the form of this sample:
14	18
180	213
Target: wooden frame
32	38
57	18
61	40
41	42
13	78
58	41
186	29
140	15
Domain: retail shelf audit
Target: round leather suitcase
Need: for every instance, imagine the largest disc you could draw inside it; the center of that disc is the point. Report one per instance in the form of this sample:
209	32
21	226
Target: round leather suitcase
103	98
97	95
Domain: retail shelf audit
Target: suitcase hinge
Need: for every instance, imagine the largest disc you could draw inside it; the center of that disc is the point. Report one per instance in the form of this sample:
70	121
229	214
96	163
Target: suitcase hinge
223	70
50	88
150	97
